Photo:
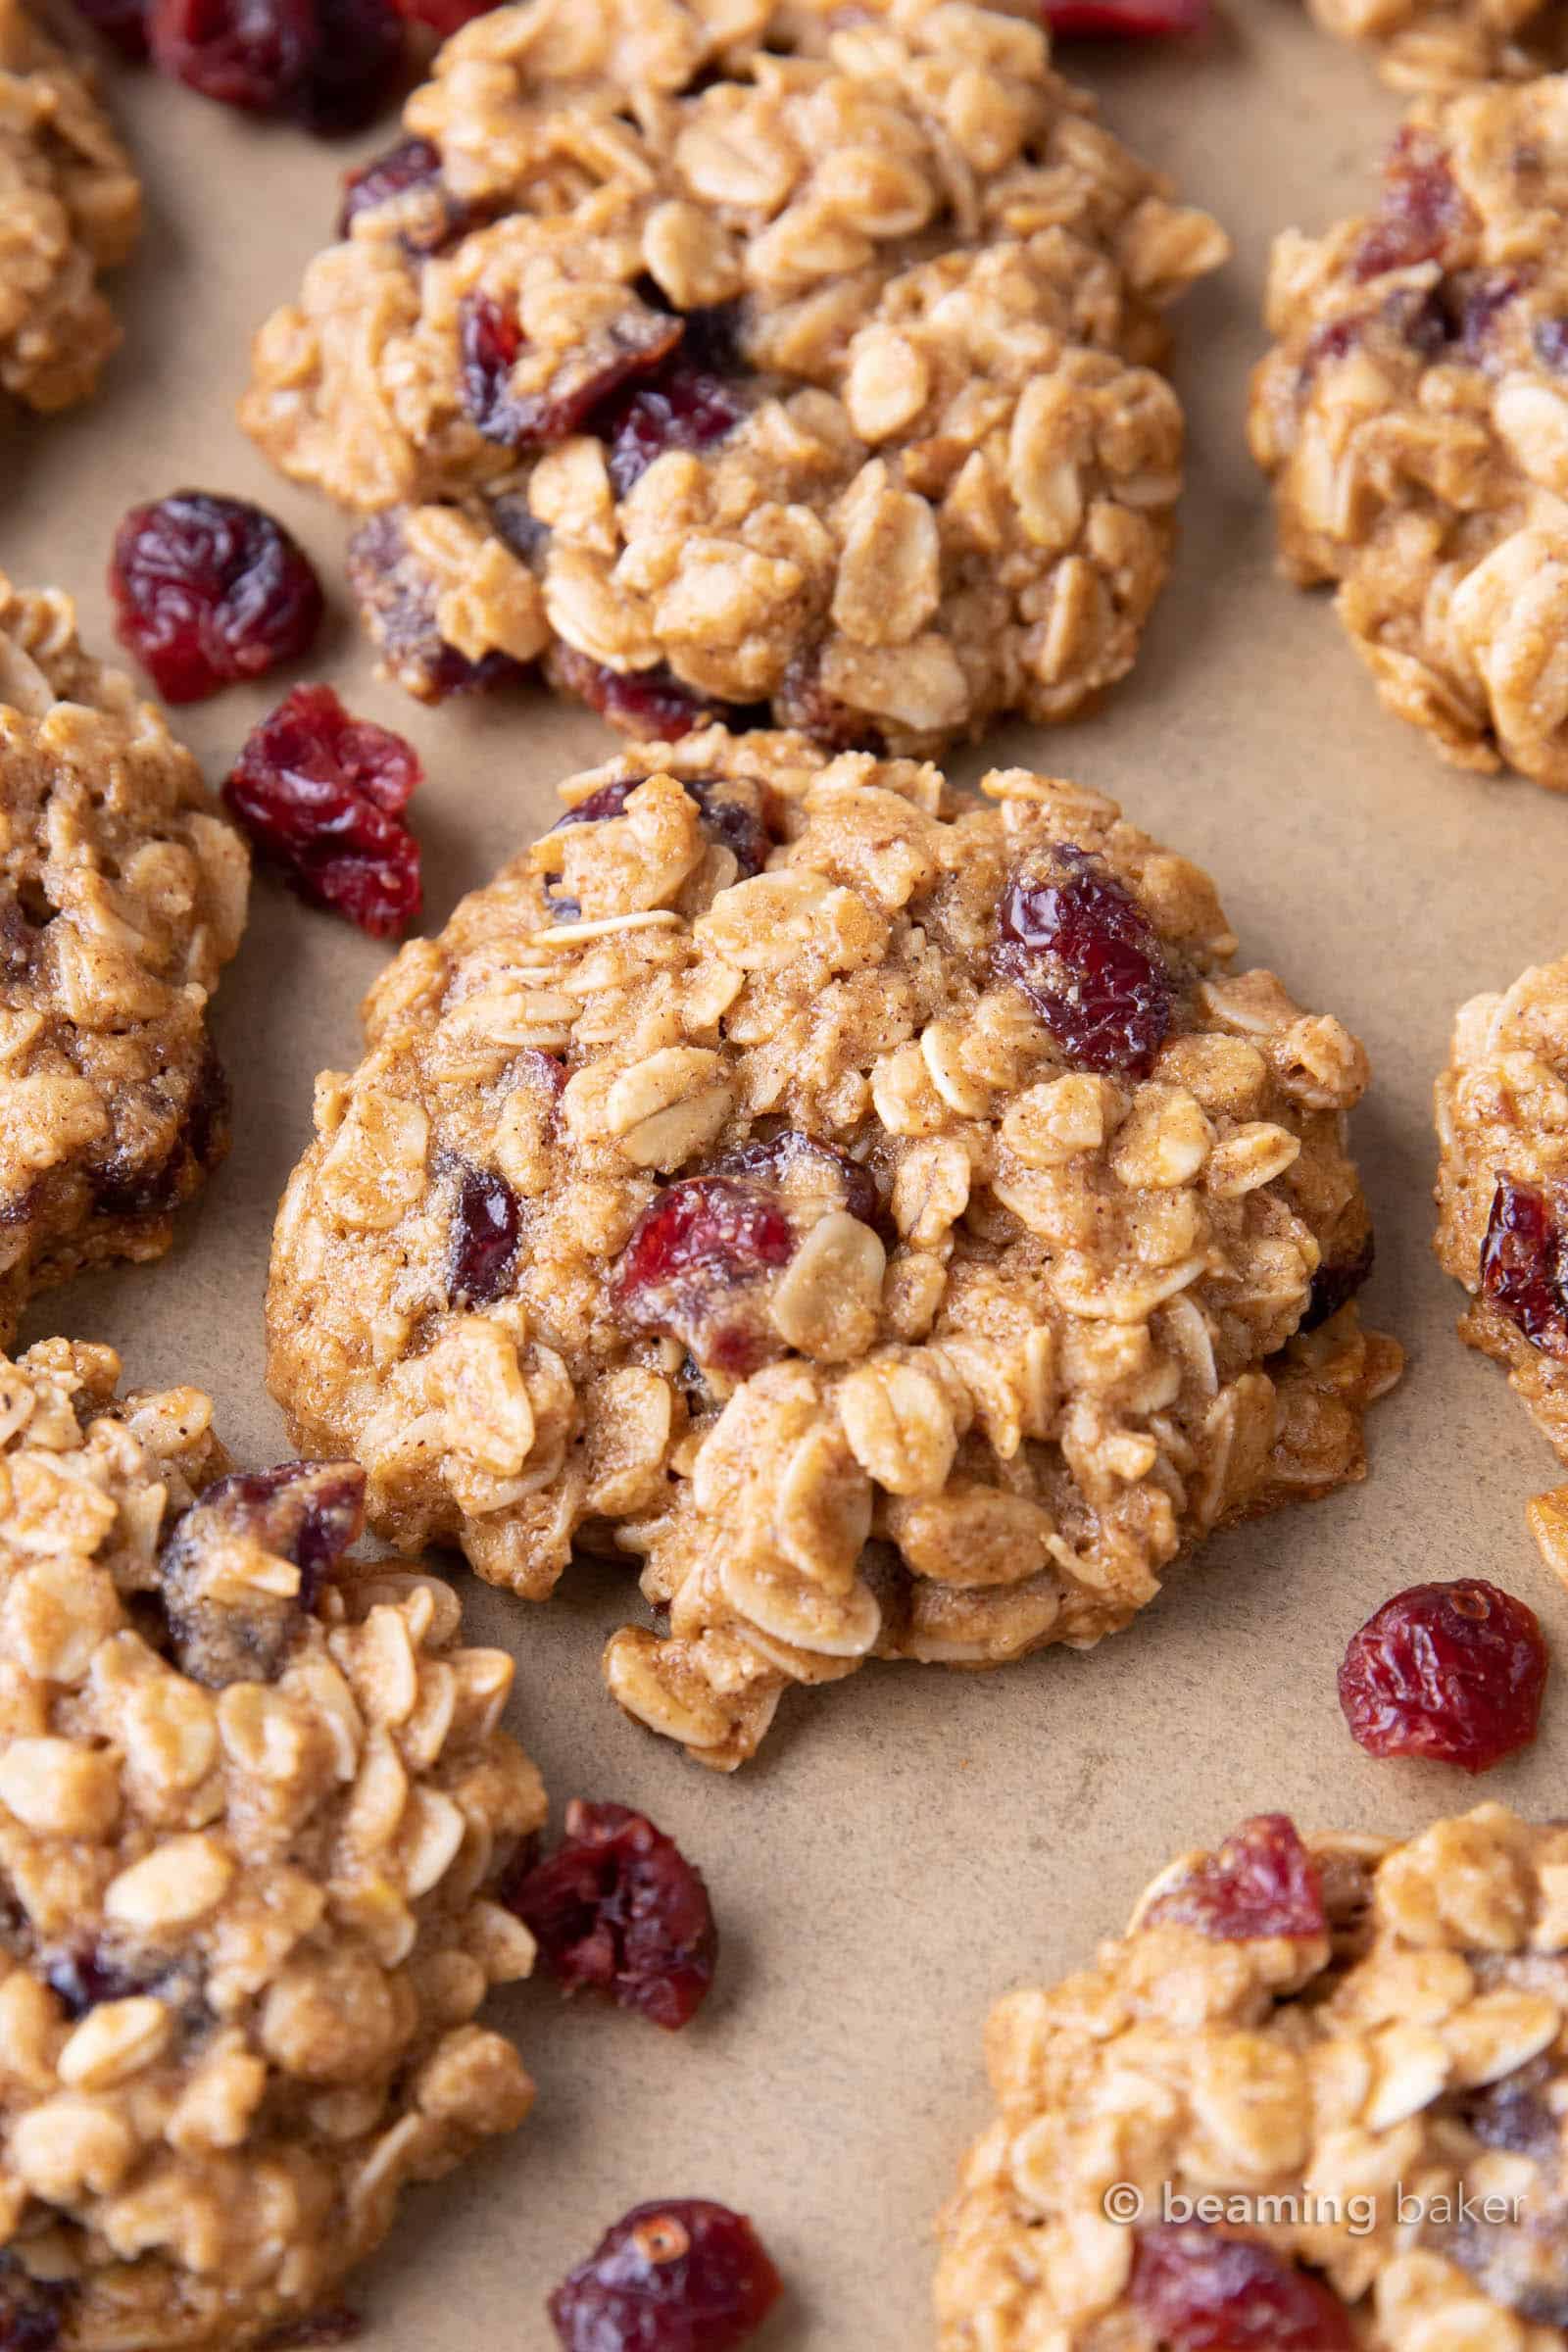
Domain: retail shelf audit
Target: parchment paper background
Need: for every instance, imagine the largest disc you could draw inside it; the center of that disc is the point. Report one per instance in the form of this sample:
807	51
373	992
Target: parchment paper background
912	1841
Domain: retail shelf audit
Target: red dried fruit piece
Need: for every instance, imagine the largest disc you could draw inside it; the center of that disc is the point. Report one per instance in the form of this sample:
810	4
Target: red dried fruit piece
397	599
1124	20
84	1973
1421	211
732	814
121	22
682	408
253	54
792	1157
444	17
1334	1286
211	590
1524	1273
1085	955
321	795
413	168
652	705
695	1255
680	2275
128	1185
1200	2291
490	342
803	701
617	1907
484	1238
357	61
305	1512
1452	1672
1263	1882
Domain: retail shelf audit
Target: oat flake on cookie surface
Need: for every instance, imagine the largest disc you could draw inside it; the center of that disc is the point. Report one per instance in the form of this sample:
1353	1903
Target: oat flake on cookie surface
1306	2031
1444	44
253	1805
70	208
777	356
887	1217
122	894
1413	418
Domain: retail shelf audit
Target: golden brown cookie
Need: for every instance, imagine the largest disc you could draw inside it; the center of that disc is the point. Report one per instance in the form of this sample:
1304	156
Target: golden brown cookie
1444	44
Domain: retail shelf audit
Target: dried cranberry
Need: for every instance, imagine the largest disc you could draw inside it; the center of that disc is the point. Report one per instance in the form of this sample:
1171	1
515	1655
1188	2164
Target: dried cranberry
397	600
444	17
515	524
357	61
491	340
32	2310
126	1186
321	795
1084	953
1512	2113
121	22
1263	1882
682	408
681	2275
484	1238
1334	1286
733	814
1550	339
253	54
1422	208
653	705
1523	1271
620	1908
694	1254
308	1513
1200	2291
803	701
413	168
1483	301
1452	1672
211	590
792	1158
84	1973
1123	20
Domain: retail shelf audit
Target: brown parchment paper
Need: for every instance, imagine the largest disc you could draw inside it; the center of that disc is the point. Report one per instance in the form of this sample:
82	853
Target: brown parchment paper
911	1842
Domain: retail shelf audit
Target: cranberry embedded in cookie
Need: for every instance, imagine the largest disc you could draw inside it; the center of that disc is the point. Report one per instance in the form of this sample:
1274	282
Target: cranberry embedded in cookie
255	1812
886	1219
821	392
1341	2141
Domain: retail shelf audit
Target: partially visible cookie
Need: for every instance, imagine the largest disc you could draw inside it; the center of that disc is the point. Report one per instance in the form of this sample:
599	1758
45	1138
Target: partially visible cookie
122	895
253	1806
70	208
790	358
1347	2055
885	1216
1442	44
1413	418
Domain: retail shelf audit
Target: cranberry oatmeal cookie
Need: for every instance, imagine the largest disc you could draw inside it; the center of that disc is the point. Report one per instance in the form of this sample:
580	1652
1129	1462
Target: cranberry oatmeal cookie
781	357
1414	419
1442	44
888	1219
253	1804
70	208
122	895
1312	2035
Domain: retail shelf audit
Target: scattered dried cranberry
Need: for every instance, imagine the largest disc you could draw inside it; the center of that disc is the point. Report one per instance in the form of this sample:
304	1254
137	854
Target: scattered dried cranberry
253	54
321	795
1422	208
1263	1882
1452	1672
1084	953
1200	2291
682	2275
357	61
694	1254
121	22
618	1907
682	408
1333	1287
1524	1274
305	1512
491	340
1123	20
484	1238
651	703
413	168
211	590
32	2310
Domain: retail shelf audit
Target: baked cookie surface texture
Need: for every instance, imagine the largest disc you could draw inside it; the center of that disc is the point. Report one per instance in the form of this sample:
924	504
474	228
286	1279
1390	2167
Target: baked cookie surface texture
887	1217
1445	44
778	357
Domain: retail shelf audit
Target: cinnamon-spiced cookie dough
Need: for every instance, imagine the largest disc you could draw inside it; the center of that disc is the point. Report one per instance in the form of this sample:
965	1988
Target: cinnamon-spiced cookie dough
1414	420
122	894
70	208
253	1804
1355	2049
887	1219
1442	44
789	358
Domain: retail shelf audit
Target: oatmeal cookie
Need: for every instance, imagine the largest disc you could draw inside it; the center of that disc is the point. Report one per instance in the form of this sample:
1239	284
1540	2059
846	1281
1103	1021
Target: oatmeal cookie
888	1218
1442	44
1414	420
122	895
70	208
1313	2035
253	1801
785	356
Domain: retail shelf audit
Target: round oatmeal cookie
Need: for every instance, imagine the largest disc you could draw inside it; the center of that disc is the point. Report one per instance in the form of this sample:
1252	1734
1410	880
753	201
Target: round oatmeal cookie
1313	2098
253	1805
1414	420
70	208
1444	44
790	358
887	1217
122	894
